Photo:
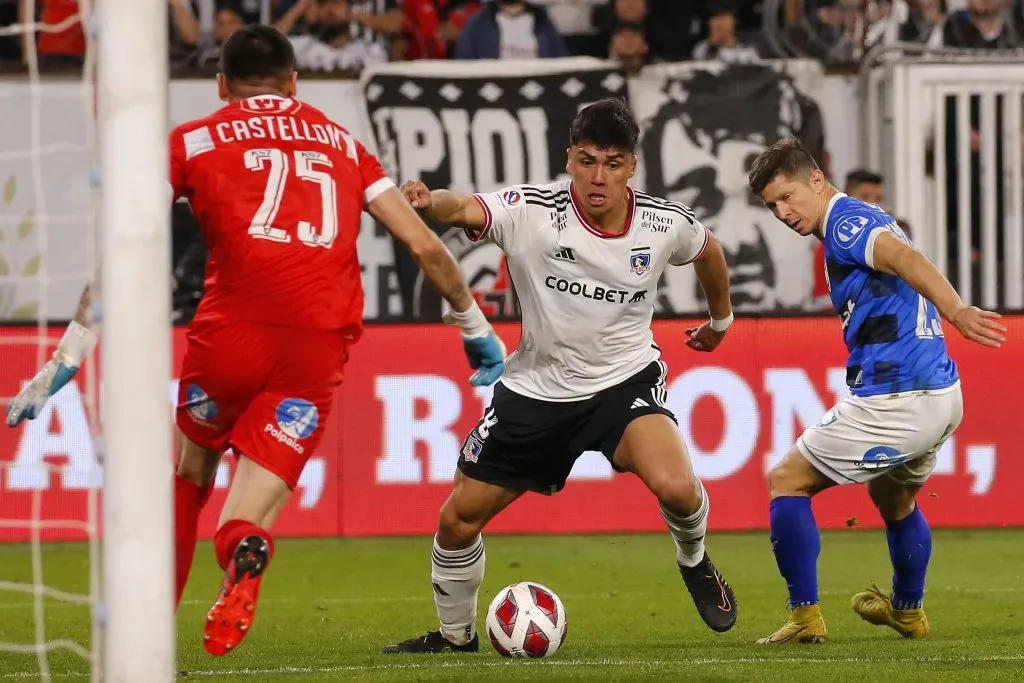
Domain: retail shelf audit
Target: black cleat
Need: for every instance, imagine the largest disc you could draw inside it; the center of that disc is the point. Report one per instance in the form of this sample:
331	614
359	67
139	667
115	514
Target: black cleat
432	643
715	600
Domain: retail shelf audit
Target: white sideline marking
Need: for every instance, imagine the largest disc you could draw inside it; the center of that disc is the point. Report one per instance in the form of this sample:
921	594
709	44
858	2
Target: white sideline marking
616	663
428	597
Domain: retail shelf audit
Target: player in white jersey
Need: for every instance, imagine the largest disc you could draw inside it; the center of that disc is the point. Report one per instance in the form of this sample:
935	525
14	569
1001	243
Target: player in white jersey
585	257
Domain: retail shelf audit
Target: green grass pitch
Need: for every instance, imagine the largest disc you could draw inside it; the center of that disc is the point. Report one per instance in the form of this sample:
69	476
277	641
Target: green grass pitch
327	607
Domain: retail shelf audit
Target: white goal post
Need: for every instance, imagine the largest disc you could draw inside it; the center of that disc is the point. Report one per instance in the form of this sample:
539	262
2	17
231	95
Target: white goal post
137	611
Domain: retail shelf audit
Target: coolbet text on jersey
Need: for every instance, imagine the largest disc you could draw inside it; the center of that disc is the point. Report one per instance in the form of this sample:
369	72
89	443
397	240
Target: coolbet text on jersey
587	297
893	334
278	190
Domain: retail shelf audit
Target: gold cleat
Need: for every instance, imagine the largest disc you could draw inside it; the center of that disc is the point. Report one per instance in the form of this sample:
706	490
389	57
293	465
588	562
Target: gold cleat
875	607
805	625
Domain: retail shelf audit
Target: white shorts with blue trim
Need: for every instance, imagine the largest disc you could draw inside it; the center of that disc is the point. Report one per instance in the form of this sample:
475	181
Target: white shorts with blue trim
895	436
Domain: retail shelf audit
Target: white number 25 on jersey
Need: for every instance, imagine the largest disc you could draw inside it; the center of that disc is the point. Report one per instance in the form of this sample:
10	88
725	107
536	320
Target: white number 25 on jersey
262	225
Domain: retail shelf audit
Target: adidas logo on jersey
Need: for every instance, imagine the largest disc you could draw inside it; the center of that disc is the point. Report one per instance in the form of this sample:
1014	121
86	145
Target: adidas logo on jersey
565	255
640	403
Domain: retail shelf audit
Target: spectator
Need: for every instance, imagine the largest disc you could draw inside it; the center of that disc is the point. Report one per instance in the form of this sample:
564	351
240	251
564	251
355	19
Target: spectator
331	44
229	18
865	185
434	26
62	49
376	21
985	24
300	19
10	46
722	42
923	22
666	26
510	29
574	20
629	47
184	33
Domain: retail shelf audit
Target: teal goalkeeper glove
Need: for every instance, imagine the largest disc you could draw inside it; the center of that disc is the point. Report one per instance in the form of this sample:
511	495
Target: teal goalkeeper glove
485	351
77	343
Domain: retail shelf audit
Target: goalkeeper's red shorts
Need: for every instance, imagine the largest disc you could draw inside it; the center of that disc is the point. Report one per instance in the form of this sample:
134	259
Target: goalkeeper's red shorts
264	391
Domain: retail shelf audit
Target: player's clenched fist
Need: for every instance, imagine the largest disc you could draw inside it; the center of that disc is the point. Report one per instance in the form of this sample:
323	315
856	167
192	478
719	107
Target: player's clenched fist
417	194
704	338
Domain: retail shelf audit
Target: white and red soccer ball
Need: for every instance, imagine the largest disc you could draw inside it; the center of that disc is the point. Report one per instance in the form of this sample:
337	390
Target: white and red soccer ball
526	619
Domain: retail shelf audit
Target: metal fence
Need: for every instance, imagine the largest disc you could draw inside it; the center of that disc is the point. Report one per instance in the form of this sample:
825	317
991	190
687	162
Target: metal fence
947	130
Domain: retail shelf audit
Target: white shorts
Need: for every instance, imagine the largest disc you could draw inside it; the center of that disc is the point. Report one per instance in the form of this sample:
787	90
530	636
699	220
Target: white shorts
895	436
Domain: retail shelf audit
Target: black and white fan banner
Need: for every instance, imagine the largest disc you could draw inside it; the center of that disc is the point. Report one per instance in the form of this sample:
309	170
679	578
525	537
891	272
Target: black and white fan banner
476	127
702	125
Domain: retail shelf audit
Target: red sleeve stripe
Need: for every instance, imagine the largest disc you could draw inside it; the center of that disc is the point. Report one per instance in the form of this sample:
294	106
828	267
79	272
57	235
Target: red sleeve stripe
472	233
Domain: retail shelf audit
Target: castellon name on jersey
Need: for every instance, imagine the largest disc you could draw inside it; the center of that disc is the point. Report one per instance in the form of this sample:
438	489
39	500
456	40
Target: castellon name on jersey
587	298
893	334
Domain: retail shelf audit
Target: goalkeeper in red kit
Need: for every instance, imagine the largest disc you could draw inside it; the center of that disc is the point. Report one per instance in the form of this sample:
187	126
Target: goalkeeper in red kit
278	190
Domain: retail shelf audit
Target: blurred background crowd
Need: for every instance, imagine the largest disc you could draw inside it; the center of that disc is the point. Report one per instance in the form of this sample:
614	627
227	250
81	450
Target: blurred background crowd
345	35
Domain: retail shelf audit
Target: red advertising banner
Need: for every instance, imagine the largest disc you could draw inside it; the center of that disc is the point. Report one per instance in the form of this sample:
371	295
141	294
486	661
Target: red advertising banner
386	463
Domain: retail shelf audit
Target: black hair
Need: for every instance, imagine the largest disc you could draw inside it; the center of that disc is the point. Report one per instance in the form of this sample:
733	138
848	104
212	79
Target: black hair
257	53
606	124
788	158
862	176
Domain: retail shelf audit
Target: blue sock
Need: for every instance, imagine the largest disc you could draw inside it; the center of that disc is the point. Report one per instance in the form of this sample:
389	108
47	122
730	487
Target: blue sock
796	544
910	548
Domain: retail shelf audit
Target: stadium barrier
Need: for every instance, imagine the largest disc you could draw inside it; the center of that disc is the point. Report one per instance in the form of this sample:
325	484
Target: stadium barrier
947	132
391	445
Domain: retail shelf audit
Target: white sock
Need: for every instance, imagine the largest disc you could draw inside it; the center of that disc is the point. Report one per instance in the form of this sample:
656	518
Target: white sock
689	532
456	576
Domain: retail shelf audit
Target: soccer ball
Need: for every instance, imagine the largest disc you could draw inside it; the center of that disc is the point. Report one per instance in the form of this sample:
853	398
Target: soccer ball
526	619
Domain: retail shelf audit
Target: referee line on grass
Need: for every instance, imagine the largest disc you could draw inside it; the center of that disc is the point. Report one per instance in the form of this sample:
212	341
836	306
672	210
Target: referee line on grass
464	664
402	599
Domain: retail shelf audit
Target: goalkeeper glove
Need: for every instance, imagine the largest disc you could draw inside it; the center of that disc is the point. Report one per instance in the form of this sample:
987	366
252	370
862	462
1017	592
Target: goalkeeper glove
485	351
77	343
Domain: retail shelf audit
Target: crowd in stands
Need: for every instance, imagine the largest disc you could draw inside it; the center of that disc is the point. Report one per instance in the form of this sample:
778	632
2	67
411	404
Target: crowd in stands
345	35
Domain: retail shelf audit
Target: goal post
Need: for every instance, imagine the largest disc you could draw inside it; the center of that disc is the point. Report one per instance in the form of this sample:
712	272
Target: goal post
137	609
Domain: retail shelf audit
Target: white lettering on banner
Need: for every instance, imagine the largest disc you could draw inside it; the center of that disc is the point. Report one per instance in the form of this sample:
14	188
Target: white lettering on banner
795	401
456	122
73	442
420	137
742	420
398	395
492	129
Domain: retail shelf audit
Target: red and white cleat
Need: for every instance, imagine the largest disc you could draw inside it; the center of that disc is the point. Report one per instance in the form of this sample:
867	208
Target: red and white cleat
232	615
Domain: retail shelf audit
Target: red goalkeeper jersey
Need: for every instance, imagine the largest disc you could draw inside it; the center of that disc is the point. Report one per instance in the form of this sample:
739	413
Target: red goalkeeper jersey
278	190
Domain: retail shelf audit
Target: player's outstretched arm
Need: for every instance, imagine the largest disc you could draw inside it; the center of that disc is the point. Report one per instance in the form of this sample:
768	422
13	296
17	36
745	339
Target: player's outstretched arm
892	256
77	343
445	206
713	275
483	347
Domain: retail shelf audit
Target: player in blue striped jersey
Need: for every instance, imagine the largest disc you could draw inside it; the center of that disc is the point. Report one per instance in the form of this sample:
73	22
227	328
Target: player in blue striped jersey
904	401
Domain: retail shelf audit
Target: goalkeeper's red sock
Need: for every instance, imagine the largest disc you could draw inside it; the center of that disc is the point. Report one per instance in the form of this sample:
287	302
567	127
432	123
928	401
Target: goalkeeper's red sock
189	500
226	541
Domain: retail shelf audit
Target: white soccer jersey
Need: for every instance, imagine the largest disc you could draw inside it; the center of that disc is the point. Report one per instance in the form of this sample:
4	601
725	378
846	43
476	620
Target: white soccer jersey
587	298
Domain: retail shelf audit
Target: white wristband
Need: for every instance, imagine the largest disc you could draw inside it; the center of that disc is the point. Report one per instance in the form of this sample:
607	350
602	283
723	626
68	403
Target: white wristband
723	324
472	321
77	343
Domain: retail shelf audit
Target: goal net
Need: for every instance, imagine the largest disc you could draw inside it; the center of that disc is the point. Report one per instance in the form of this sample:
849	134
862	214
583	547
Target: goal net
85	500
